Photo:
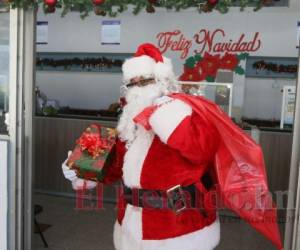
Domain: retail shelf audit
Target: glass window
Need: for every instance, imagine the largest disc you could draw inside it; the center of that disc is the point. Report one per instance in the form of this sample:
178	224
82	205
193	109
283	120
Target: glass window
220	93
4	69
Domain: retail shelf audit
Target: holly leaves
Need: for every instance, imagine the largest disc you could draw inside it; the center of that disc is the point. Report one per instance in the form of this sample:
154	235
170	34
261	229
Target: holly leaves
192	61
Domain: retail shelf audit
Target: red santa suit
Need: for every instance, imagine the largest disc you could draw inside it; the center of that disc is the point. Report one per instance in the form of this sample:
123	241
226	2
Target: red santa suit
177	151
176	141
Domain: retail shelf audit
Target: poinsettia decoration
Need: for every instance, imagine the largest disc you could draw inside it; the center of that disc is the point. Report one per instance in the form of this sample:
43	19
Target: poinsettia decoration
229	61
198	68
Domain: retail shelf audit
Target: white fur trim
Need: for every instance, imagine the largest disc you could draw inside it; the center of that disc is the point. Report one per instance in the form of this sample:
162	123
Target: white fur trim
138	66
206	238
117	237
129	236
163	71
167	117
135	156
162	100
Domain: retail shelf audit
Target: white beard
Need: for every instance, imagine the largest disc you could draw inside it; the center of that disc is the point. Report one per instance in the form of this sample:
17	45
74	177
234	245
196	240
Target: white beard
137	98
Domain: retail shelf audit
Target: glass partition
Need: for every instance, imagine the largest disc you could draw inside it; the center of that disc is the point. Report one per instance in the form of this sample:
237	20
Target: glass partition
4	69
220	93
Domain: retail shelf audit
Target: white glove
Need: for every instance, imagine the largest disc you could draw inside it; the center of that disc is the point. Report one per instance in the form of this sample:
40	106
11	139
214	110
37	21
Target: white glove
69	174
77	183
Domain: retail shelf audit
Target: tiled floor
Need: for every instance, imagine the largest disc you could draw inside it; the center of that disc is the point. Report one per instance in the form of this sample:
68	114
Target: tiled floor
92	230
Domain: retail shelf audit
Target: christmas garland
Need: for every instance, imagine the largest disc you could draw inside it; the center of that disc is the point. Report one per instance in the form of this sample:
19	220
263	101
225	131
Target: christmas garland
113	7
198	68
274	67
86	63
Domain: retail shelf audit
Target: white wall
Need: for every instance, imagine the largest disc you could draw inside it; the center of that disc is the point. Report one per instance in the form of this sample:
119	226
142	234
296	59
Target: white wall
71	34
80	90
264	98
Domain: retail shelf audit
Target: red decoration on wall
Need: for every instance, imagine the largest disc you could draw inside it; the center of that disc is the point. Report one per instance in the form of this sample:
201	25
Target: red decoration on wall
197	68
51	3
213	2
206	41
195	74
229	61
98	2
209	64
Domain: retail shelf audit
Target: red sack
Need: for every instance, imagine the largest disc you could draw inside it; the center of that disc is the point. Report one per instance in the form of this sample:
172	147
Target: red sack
239	168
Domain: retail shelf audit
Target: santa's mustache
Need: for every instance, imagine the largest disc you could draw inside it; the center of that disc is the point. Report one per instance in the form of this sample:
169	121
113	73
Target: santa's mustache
137	98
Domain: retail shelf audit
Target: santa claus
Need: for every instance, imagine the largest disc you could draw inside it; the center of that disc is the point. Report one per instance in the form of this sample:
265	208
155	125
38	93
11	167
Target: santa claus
163	162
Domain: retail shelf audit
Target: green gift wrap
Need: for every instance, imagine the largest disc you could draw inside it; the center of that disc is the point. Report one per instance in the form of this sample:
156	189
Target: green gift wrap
93	152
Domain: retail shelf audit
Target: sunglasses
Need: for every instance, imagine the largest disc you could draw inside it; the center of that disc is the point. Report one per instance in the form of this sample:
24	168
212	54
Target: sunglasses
141	82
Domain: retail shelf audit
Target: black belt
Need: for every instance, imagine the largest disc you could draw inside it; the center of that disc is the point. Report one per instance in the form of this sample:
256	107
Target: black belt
174	198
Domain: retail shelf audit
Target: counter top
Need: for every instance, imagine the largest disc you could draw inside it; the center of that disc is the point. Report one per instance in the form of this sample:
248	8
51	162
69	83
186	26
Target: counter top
80	117
4	137
264	125
270	129
115	119
276	129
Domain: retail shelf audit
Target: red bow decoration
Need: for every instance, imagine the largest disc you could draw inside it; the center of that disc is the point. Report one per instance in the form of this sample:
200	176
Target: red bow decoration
93	143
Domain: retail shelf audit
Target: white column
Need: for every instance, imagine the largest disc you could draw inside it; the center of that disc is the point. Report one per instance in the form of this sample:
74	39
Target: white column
22	77
3	193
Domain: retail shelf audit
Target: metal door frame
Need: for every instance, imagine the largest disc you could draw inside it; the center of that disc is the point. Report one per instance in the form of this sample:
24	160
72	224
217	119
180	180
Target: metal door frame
22	78
292	227
21	106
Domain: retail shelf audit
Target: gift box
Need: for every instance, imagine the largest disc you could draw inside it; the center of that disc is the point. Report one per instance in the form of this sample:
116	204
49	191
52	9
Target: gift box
93	152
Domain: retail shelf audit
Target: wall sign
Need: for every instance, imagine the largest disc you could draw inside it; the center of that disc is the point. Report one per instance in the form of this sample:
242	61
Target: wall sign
288	106
207	41
42	32
111	32
298	34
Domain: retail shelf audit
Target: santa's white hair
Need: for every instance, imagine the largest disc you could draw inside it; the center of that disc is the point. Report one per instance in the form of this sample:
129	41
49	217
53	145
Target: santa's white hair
138	98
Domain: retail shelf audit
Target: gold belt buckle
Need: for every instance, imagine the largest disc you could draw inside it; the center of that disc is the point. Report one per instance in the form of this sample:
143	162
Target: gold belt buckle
176	199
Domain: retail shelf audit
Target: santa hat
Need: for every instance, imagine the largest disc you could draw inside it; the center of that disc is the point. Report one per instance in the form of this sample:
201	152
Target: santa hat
149	63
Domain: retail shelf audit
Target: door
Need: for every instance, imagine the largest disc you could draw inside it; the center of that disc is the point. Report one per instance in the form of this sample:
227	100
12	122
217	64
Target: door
16	78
